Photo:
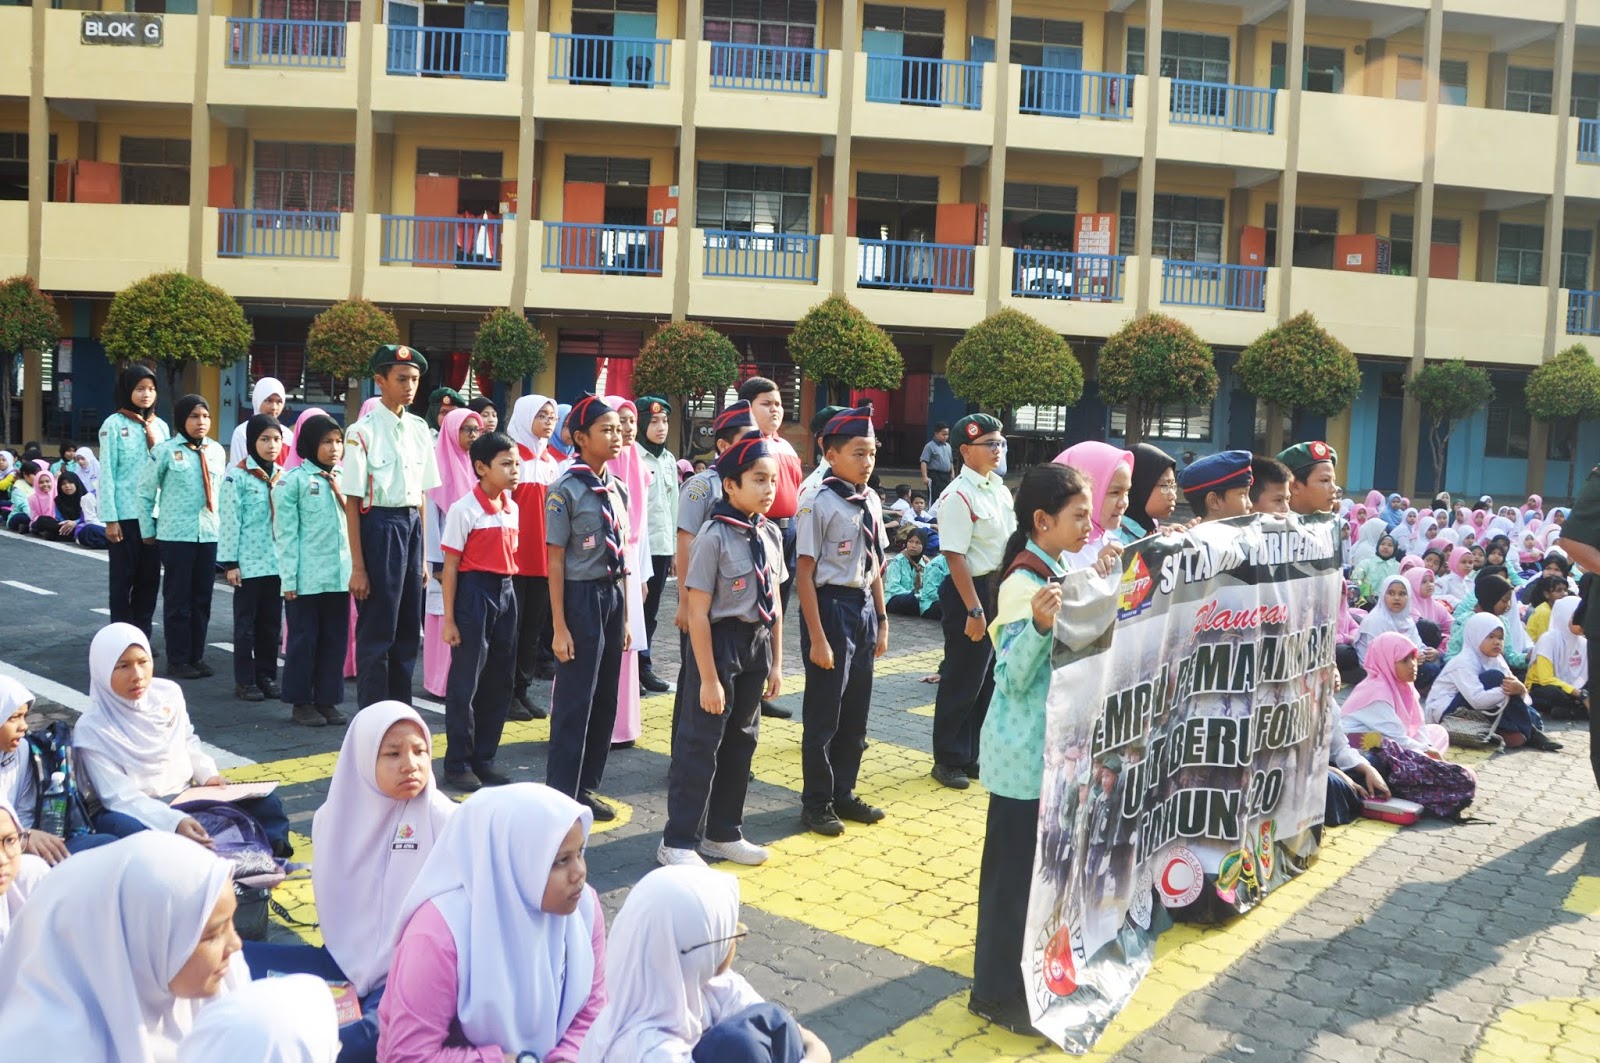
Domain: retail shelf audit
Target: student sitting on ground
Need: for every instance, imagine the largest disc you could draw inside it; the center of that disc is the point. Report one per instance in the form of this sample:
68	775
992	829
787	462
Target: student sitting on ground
76	504
1479	677
21	517
911	582
1558	676
1492	594
1540	594
20	872
273	1020
1392	612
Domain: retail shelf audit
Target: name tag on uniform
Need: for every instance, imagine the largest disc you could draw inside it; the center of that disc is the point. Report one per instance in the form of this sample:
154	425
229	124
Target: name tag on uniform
588	542
403	838
313	488
740	584
124	433
177	457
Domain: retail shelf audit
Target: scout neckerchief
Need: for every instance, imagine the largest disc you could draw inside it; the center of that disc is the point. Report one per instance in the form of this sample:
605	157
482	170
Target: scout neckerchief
254	469
147	423
205	474
615	564
870	522
326	472
751	525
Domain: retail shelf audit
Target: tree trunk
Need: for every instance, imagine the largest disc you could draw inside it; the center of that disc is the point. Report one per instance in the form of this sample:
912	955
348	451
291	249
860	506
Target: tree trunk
5	394
1438	439
352	402
1572	462
174	374
1274	428
1133	424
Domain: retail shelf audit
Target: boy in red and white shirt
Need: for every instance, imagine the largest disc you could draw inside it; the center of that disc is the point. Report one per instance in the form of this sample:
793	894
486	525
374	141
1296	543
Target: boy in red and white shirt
480	614
531	425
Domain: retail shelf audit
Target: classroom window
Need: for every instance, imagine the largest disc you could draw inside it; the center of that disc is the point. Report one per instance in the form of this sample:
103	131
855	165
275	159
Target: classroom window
599	170
1188	56
1041	420
14	164
1575	245
1187	228
279	350
1316	231
155	171
313	10
1507	435
448	162
293	176
1529	89
1192	423
748	198
787	23
1586	95
1030	37
1411	74
1039	217
1323	70
1402	229
1519	259
759	355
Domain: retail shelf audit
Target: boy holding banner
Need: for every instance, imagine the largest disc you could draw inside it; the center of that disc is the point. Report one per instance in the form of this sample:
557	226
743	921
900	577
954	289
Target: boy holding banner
1217	486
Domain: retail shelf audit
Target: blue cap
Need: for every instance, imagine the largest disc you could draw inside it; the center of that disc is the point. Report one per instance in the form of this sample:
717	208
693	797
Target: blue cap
1217	472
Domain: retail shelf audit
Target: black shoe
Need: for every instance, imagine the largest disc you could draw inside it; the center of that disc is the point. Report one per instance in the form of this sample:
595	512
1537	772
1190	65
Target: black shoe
491	777
465	781
1011	1016
769	709
652	682
604	811
307	716
1540	740
249	693
822	821
269	688
953	777
521	709
629	744
972	770
183	671
856	810
545	670
205	670
332	715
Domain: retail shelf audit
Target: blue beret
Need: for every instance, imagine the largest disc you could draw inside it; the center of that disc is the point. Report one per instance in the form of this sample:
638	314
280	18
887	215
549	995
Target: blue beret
586	410
1217	472
736	415
742	454
856	422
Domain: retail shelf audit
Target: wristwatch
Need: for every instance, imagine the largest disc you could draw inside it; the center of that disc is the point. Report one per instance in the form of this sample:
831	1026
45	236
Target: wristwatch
976	612
527	1057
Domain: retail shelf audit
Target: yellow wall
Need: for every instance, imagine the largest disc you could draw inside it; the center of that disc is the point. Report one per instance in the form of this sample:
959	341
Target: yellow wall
924	160
630	142
464	134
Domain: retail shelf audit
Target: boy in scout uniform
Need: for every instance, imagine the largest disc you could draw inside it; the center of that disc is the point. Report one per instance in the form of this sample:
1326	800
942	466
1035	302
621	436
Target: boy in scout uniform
1314	487
976	517
839	545
586	536
731	583
1217	486
388	464
661	520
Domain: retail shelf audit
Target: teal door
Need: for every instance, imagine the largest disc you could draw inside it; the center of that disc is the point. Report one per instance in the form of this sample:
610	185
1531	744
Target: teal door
884	69
634	57
405	20
1062	87
483	45
980	50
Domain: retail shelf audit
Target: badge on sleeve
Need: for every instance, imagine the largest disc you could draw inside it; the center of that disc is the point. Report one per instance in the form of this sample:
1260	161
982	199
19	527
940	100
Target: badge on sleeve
556	503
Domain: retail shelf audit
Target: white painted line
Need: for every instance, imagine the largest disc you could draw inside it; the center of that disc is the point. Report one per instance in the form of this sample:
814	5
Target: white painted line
102	612
428	706
30	588
79	703
76	551
227	647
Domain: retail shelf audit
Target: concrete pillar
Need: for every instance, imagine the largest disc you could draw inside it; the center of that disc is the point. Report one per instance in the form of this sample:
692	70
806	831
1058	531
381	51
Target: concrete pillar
1147	98
997	280
687	150
1422	237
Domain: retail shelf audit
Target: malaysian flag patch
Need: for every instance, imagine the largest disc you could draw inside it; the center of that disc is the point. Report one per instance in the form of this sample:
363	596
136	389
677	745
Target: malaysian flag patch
588	542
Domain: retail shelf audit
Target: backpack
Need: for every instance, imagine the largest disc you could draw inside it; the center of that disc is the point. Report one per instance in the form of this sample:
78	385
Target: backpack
237	836
50	751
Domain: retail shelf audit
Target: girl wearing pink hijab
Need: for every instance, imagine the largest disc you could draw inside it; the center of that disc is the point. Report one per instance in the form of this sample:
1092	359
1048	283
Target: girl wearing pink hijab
629	467
457	430
1427	609
1456	585
289	458
1110	474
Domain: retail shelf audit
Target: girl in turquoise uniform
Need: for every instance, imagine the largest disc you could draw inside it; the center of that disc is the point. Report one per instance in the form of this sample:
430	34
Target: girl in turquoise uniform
249	558
127	439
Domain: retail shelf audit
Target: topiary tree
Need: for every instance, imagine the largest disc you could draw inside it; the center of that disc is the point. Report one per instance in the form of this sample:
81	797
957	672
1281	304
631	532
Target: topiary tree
1566	388
1009	360
1153	361
508	347
838	346
1447	392
171	319
1298	365
687	361
341	341
28	322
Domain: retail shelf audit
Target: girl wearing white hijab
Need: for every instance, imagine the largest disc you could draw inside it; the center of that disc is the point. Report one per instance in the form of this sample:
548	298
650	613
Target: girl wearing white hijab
118	949
266	397
88	469
1372	529
20	872
671	956
1391	611
137	745
1558	671
275	1020
531	424
503	943
1480	677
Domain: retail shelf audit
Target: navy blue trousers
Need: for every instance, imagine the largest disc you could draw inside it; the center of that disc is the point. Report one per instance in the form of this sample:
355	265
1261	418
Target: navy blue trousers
107	828
319	635
837	699
583	704
478	692
761	1033
389	622
358	1042
190	569
1519	715
257	616
135	579
711	755
966	680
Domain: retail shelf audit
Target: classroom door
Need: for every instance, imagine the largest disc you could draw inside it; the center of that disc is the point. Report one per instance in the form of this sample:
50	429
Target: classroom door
884	49
583	206
483	54
633	59
437	200
1062	91
979	50
1386	457
405	19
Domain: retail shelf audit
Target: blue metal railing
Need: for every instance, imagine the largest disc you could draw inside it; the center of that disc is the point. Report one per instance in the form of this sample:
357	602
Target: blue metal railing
1213	284
277	234
285	42
915	266
925	82
476	54
574	247
1076	93
1588	140
628	62
1238	107
1064	275
465	242
1583	313
762	256
769	68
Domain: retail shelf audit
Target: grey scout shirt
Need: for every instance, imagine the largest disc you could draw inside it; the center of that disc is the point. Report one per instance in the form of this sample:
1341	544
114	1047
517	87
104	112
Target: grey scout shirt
832	530
937	455
700	492
575	519
720	563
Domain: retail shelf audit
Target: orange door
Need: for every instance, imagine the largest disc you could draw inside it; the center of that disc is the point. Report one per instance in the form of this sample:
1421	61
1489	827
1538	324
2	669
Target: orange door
434	239
219	192
98	182
582	247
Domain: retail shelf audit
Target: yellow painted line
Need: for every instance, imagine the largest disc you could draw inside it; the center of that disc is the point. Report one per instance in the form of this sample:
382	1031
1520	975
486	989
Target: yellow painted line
1558	1030
1584	898
1187	959
922	710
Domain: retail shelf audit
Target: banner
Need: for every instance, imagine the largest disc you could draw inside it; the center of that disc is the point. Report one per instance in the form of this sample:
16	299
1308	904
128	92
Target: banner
1186	756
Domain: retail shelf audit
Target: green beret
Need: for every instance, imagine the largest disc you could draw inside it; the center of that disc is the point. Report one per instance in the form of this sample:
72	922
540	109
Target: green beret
397	354
1112	763
649	405
1302	456
976	426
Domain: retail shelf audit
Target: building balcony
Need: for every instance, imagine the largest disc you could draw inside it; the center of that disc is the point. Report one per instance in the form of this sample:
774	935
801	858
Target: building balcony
1075	294
1371	313
127	74
1214	285
637	264
16	25
286	42
769	69
311	234
907	285
931	100
582	78
924	82
107	246
443	261
1100	108
1479	147
264	254
1240	108
1583	313
448	71
760	256
762	88
1583	158
617	250
426	51
625	62
1220	125
290	62
777	272
1363	137
1483	322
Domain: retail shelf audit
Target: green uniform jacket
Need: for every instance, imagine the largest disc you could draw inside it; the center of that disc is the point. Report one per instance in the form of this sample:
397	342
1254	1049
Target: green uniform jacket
246	540
174	485
313	541
123	458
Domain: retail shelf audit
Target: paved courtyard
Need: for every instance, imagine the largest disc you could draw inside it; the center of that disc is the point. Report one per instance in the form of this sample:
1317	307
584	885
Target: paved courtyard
1468	942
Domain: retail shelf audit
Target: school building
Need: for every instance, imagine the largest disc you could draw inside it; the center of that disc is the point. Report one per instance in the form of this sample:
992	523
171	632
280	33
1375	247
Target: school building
1423	175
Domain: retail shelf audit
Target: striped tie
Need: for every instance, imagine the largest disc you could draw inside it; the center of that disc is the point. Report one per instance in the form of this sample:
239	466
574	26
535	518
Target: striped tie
751	526
616	564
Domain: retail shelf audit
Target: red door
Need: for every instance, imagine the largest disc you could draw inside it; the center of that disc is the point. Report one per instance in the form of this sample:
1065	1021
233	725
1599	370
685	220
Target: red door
434	239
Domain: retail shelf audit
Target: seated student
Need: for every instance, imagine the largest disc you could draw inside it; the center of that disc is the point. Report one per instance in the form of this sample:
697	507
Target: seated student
1480	677
1383	715
117	950
21	517
8	476
902	503
43	520
20	871
1455	586
68	458
274	1020
905	581
1217	486
1392	612
1433	619
1269	487
138	746
87	466
502	950
373	833
1558	676
1372	573
78	506
673	995
1433	560
1541	593
1492	594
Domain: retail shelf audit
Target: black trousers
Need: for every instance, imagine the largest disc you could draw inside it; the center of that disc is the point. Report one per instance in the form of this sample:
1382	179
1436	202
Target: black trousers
966	678
319	636
711	755
836	702
583	704
533	629
787	586
478	692
257	615
135	579
938	481
1555	702
659	563
904	605
1594	716
190	570
389	622
1004	878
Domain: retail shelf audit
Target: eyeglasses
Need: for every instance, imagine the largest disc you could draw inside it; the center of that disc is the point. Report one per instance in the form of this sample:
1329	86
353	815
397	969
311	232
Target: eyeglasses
996	445
13	844
1169	486
743	931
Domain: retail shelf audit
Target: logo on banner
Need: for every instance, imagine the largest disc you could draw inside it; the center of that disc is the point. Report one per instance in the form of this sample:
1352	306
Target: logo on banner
1137	590
1182	878
1060	973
